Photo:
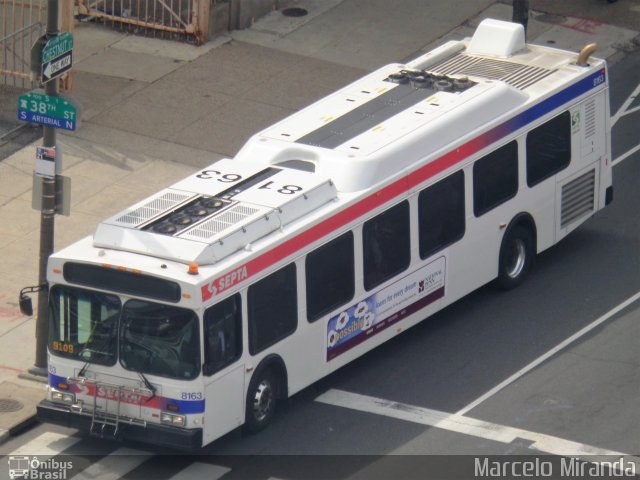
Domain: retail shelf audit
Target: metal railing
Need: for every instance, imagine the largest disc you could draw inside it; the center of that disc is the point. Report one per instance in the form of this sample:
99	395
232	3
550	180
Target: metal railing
186	20
21	23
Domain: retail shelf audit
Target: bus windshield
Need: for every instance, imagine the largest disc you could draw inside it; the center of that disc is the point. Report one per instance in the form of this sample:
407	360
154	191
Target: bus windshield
83	324
153	338
159	340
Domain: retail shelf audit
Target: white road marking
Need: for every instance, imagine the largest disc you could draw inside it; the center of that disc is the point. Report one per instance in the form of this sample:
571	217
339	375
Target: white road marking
115	465
549	354
201	470
46	444
622	111
462	424
625	155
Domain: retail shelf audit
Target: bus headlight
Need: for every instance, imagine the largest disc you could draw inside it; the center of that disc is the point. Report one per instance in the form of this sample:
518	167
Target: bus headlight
62	397
172	419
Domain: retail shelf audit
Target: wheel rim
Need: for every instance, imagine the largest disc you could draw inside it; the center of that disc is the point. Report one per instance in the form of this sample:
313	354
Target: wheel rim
516	258
263	401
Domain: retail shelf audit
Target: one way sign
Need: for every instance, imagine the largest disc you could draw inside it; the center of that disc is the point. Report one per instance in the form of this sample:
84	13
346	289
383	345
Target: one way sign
56	67
57	56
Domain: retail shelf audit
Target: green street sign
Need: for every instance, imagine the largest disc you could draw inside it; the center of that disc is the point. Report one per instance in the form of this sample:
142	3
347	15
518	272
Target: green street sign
58	112
57	46
56	56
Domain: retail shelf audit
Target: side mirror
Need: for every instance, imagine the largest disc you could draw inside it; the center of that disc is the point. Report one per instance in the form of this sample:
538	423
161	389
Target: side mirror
26	307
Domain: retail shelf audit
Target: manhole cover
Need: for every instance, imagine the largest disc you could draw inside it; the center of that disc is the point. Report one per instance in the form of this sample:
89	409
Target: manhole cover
294	12
10	405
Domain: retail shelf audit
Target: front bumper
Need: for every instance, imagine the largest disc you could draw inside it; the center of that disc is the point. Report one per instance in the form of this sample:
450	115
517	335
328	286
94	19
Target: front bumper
161	435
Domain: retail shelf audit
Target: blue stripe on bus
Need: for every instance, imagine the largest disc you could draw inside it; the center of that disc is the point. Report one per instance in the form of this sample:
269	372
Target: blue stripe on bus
158	402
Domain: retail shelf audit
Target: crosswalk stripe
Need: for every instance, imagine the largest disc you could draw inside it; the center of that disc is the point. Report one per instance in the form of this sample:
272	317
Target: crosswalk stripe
115	465
201	470
46	444
462	424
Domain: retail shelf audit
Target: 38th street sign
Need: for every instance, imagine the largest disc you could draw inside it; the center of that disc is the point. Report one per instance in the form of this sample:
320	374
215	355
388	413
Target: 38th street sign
58	112
57	56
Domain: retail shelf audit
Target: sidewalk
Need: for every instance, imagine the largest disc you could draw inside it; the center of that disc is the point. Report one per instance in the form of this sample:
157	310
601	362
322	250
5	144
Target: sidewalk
154	111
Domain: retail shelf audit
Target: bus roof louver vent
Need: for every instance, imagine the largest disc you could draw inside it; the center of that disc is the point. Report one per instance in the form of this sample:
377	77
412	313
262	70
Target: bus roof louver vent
515	74
236	215
152	208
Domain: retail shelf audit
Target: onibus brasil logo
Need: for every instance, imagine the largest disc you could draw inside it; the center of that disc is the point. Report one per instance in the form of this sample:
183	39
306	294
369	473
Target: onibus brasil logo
21	466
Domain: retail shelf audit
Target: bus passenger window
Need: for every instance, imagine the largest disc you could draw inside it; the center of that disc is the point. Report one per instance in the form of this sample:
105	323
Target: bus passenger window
330	276
222	334
272	309
548	149
386	245
441	217
495	178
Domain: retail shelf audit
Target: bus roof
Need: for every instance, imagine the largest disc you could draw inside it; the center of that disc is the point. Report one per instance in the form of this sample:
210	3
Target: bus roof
397	118
405	113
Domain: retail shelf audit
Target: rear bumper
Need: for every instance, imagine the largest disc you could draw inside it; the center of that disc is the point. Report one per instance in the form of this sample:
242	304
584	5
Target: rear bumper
161	435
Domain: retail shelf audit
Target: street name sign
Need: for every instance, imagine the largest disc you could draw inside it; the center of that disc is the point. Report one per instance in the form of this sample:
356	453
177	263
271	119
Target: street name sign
57	56
58	112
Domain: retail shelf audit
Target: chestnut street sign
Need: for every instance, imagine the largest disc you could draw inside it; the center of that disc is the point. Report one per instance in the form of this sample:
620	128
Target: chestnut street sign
57	56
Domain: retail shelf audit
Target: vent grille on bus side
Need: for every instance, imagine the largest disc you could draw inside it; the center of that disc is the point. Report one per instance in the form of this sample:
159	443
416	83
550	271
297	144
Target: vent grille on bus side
577	198
590	119
515	74
152	208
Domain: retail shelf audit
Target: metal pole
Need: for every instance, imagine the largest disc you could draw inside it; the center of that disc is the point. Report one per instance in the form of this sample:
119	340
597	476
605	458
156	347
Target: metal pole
47	217
521	13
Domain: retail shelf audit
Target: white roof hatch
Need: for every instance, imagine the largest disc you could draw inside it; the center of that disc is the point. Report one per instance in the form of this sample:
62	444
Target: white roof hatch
215	212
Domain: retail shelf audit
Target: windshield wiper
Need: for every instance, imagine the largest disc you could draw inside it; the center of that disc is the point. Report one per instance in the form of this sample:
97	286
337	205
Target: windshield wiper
148	385
84	369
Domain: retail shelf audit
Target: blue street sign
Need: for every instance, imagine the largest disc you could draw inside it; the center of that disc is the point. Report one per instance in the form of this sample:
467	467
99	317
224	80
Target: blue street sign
34	117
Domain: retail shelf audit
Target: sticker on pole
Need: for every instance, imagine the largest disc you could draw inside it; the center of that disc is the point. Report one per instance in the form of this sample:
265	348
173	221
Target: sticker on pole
46	161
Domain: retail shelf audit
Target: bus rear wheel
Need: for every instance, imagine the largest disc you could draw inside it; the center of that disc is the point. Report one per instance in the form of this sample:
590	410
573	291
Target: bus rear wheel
261	401
516	257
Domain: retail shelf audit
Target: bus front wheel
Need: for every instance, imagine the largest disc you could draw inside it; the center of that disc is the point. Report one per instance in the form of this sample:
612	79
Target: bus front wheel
261	401
516	257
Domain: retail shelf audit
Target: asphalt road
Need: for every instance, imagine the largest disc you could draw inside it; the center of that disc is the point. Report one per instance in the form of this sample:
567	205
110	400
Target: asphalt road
585	394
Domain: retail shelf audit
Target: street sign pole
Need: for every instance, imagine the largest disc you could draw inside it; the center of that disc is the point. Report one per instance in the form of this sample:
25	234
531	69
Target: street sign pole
47	217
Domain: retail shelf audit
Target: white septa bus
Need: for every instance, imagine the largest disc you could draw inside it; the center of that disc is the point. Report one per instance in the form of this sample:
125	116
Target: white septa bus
332	231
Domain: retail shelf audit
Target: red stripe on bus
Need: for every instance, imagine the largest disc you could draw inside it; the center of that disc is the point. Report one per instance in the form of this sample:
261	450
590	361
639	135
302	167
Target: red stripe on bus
399	187
344	217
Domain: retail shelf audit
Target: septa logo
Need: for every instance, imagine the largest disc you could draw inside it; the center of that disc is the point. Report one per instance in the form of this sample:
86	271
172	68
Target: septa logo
225	282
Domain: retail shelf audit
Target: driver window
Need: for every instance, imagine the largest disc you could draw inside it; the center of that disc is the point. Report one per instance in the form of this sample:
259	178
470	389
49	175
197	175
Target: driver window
222	334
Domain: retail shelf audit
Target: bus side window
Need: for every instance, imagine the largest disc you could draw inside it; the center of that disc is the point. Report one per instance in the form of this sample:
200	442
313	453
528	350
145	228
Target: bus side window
548	149
386	245
495	178
222	334
441	217
272	308
330	276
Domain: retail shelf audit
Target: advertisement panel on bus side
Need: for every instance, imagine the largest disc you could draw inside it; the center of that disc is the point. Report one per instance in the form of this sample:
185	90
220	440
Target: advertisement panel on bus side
385	308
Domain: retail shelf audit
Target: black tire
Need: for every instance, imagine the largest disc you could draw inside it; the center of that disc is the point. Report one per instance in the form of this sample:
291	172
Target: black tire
517	253
261	401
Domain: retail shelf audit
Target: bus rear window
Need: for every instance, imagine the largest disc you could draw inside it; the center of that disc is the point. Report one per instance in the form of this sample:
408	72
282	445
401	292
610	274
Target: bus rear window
123	282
